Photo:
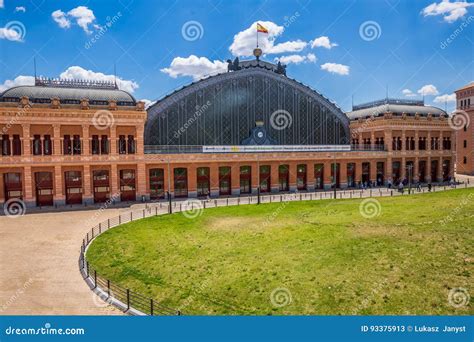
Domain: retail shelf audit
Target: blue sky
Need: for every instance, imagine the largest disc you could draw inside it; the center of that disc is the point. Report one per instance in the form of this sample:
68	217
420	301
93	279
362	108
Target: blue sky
340	48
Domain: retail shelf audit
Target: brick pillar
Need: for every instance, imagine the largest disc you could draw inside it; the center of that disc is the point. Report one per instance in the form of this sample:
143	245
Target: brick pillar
87	188
57	148
416	139
114	183
403	171
113	140
28	186
139	139
274	178
373	171
343	174
293	171
416	170
388	140
192	180
310	176
440	170
428	141
214	179
255	176
451	167
141	178
235	179
404	141
85	141
388	170
26	140
358	172
327	174
428	170
372	140
59	197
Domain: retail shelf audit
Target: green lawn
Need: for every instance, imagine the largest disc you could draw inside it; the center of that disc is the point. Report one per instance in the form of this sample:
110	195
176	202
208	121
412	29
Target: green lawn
325	254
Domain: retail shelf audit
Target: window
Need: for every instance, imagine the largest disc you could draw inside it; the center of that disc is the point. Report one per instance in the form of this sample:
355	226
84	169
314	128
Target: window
47	146
16	145
122	145
67	146
36	145
464	160
245	180
95	144
76	144
104	145
5	145
465	143
131	144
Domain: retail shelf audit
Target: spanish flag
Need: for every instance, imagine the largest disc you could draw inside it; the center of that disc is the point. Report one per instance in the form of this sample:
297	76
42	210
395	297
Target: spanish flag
262	29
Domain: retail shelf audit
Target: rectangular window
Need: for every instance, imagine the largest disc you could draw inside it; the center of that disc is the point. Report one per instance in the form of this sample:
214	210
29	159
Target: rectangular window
104	145
47	145
76	144
16	145
67	146
95	144
122	145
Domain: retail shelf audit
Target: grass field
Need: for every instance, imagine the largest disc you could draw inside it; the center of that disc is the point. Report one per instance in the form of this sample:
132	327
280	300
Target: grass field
311	257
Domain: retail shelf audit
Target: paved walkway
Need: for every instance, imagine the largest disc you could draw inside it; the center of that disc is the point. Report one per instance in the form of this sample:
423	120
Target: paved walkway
39	255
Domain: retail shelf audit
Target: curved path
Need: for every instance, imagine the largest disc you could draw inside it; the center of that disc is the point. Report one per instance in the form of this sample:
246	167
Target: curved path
39	262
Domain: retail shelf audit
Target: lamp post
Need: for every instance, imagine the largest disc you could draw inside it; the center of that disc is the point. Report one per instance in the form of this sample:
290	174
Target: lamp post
258	187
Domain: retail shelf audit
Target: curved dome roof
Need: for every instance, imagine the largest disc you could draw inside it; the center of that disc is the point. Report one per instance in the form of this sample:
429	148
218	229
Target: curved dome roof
68	93
396	107
223	109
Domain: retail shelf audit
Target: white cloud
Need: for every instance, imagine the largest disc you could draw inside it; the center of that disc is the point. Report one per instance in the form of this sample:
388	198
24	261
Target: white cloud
451	11
428	89
10	34
335	68
322	42
60	18
196	67
20	9
297	59
77	72
148	103
1	4
408	93
445	98
18	81
245	41
81	14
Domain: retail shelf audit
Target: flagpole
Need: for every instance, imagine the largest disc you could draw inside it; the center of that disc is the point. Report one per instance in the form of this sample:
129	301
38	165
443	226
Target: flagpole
257	35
